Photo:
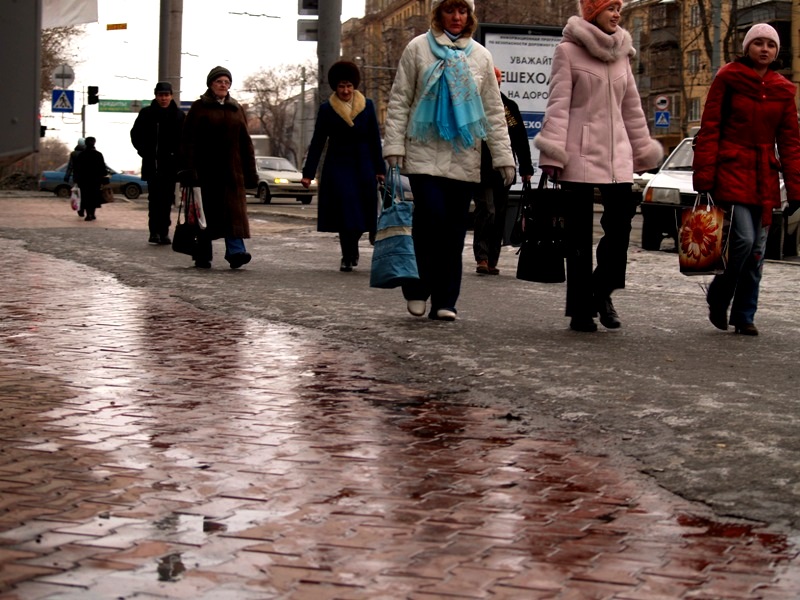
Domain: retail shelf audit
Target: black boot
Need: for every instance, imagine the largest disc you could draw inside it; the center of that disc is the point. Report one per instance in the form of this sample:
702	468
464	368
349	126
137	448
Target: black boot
608	315
586	324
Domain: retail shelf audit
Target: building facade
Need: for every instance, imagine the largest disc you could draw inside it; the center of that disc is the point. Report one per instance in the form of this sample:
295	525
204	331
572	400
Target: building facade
682	43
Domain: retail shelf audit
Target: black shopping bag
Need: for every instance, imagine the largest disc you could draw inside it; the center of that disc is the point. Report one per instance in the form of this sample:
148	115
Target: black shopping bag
187	229
543	248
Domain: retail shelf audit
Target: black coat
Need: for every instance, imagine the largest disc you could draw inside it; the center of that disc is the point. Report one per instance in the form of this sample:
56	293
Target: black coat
348	189
519	143
90	175
156	135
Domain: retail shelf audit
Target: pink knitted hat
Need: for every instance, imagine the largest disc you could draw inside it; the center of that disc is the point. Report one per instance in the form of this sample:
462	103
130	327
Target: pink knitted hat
761	30
591	8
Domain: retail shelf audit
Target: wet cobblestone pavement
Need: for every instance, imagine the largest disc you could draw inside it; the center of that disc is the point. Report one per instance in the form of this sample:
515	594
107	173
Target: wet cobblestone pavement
153	450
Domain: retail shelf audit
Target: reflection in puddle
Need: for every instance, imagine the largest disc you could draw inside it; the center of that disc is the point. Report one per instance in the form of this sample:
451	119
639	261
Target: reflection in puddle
274	462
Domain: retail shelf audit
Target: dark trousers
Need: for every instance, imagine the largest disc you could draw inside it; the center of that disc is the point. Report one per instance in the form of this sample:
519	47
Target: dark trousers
585	287
348	240
491	204
90	198
160	198
441	211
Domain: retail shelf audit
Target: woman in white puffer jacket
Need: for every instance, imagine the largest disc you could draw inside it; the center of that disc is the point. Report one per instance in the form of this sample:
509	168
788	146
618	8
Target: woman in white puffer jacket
444	101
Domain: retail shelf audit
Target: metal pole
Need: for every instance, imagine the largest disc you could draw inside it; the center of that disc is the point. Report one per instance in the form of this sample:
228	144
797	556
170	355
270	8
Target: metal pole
163	41
329	43
302	156
175	46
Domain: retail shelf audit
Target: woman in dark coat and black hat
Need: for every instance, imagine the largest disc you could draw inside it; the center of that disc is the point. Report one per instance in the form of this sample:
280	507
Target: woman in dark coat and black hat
217	155
353	162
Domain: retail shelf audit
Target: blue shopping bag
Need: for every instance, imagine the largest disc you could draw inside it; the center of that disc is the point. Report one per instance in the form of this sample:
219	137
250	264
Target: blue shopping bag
393	259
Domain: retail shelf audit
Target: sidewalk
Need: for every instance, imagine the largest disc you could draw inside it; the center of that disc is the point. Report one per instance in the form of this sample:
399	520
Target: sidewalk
153	449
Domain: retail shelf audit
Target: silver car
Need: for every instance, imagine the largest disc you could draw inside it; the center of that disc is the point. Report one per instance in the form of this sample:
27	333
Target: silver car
279	178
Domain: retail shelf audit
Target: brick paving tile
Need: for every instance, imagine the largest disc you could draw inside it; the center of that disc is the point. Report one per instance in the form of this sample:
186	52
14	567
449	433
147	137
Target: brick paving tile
153	450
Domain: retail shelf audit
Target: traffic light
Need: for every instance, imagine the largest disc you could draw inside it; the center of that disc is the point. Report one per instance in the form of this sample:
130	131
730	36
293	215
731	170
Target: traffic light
308	7
93	98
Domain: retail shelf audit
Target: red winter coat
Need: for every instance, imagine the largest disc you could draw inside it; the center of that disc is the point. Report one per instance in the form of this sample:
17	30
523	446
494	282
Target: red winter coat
745	117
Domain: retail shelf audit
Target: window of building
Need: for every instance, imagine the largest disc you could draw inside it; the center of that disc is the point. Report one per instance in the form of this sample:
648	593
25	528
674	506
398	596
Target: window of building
694	109
693	61
694	16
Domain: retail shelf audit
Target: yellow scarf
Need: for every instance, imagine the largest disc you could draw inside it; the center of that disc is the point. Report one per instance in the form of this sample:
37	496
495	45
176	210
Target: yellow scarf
344	110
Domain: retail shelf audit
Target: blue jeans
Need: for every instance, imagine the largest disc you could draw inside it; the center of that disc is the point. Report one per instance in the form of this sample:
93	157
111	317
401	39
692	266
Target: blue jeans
234	246
204	251
739	283
441	211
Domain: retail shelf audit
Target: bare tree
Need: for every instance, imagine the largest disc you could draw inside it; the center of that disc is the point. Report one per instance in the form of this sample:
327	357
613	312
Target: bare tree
270	93
56	43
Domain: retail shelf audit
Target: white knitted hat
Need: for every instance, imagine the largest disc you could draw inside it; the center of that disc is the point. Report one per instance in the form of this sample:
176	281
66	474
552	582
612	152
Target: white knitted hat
761	30
471	3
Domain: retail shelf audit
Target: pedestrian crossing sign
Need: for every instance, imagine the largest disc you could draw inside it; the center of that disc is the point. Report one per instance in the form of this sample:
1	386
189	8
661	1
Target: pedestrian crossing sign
63	101
662	118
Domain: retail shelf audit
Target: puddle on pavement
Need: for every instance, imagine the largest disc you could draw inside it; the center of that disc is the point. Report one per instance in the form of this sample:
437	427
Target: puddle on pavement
276	455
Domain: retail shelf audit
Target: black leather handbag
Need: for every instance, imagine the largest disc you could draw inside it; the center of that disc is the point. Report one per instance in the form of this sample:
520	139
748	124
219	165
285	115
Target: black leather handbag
543	247
184	240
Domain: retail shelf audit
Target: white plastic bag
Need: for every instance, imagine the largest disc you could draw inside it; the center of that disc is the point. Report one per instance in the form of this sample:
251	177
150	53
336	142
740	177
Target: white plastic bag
75	198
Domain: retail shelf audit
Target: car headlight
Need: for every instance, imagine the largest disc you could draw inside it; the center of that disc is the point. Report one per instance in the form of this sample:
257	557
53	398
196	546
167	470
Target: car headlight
281	180
662	195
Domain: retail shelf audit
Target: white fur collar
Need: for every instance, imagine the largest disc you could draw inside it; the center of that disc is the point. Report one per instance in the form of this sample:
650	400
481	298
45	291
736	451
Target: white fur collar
350	111
599	44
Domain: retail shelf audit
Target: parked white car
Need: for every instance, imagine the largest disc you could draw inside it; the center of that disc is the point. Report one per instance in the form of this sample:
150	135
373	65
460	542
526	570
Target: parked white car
671	189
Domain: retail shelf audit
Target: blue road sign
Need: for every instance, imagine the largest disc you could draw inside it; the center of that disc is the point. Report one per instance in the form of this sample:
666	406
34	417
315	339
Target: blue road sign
63	101
662	118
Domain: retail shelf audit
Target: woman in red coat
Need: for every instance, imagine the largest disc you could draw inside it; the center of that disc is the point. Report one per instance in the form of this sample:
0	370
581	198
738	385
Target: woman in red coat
749	111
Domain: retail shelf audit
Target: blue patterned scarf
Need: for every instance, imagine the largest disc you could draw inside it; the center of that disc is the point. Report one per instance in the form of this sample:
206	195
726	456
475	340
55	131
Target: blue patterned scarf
450	105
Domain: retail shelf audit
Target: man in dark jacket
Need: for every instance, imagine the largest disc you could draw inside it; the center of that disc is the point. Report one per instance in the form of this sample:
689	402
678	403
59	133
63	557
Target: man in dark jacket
156	135
491	197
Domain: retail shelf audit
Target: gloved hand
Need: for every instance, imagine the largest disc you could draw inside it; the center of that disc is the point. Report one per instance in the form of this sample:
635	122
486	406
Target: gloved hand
508	174
395	161
793	207
552	172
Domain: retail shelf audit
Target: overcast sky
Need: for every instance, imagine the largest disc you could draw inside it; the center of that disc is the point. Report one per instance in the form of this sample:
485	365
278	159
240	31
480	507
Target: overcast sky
124	63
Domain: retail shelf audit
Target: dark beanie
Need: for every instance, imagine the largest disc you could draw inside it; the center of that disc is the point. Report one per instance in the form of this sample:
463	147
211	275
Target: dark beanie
216	73
344	70
163	86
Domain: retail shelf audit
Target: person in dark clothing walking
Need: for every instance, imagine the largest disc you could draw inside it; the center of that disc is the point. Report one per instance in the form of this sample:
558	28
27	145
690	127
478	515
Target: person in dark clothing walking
491	197
217	155
353	164
156	135
90	175
80	147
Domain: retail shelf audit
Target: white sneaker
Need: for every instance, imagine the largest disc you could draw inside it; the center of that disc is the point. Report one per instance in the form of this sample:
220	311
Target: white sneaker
416	307
445	314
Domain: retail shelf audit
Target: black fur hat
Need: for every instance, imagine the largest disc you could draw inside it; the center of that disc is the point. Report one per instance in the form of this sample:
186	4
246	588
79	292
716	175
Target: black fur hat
344	70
